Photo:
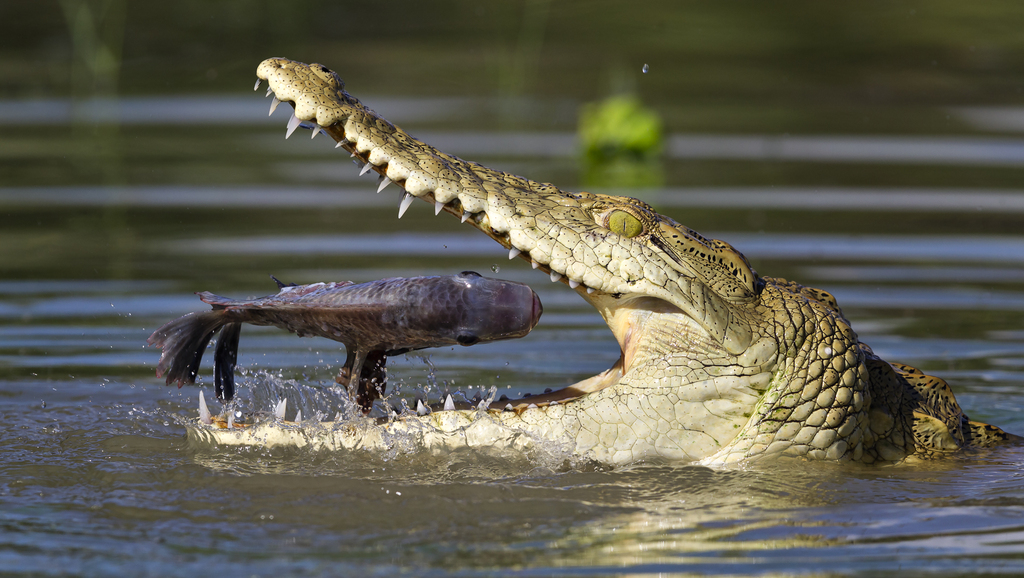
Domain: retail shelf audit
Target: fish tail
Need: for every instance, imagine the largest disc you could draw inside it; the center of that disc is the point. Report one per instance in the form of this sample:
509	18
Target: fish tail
224	361
183	342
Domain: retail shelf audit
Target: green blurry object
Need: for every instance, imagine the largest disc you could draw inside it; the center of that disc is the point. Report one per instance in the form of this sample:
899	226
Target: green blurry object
622	141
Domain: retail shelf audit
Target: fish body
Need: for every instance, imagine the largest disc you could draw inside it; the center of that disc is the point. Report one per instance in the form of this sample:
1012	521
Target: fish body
373	320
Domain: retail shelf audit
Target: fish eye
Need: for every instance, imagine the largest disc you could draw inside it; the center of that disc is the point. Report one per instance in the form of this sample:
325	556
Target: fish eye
624	224
467	339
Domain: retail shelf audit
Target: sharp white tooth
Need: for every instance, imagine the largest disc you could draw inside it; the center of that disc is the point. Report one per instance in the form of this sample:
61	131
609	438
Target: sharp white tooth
273	105
532	406
535	264
231	420
366	169
513	253
555	276
465	215
438	207
316	131
352	154
508	407
573	284
384	182
269	91
449	403
339	143
298	416
406	201
590	290
280	407
257	87
204	412
293	123
421	408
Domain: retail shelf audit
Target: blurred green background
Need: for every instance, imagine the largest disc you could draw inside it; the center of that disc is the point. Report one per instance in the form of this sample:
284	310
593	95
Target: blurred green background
148	100
715	67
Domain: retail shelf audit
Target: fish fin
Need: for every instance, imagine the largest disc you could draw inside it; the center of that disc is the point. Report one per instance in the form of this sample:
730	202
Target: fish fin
225	359
372	380
216	301
281	284
182	343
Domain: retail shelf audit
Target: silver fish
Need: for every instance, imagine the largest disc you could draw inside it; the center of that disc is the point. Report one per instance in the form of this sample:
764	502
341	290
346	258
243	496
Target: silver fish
373	320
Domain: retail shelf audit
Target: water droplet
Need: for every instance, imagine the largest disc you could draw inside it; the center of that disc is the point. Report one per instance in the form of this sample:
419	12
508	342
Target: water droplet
645	69
495	268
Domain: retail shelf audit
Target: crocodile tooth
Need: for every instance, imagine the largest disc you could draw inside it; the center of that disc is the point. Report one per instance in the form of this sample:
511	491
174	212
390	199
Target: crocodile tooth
534	264
573	284
513	253
269	91
438	207
293	123
339	143
449	403
298	416
555	276
382	183
315	131
406	201
532	406
352	155
273	105
280	407
204	412
257	87
590	290
421	408
465	215
508	407
366	169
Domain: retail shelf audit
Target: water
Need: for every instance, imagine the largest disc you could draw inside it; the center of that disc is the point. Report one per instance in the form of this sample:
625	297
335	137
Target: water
137	167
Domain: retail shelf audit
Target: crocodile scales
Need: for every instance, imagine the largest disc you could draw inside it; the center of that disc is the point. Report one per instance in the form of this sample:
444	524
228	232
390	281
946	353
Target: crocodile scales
718	364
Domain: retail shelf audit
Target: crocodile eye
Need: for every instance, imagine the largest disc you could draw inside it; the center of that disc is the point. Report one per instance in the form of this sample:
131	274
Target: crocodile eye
624	224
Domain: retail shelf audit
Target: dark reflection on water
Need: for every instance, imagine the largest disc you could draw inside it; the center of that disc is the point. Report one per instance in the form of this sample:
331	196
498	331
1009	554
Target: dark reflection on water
874	152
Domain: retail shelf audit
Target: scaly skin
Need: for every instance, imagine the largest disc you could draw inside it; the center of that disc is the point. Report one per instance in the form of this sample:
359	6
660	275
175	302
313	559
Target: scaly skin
718	364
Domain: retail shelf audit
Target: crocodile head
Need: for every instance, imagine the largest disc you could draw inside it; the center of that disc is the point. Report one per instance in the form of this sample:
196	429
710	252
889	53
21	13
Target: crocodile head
717	363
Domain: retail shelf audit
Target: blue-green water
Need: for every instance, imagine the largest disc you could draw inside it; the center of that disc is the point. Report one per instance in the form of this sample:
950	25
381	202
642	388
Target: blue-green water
874	152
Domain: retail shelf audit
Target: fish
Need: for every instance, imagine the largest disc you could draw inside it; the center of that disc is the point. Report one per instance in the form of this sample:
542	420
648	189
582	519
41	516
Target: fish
373	320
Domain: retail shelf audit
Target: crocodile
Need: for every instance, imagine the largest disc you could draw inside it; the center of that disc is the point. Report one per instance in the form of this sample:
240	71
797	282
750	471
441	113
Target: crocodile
718	364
